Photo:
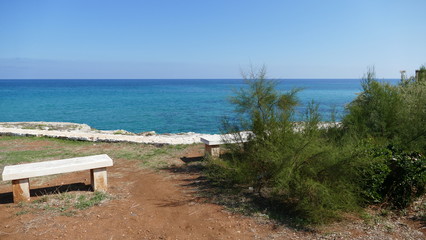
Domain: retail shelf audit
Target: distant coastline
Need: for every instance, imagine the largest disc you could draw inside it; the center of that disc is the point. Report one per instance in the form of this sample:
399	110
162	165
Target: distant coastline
83	132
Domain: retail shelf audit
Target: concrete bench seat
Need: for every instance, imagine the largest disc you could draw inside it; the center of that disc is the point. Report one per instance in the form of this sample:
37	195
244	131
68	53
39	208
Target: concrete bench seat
212	143
20	174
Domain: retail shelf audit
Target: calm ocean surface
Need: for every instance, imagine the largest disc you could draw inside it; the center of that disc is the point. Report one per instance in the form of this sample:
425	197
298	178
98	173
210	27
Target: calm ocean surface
164	106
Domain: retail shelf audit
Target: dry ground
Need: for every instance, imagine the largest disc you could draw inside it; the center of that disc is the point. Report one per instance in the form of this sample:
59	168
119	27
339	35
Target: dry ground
153	194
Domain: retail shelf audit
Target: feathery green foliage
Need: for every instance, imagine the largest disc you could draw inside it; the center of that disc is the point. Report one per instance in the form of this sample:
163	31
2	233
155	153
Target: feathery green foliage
377	156
286	161
393	120
391	114
376	110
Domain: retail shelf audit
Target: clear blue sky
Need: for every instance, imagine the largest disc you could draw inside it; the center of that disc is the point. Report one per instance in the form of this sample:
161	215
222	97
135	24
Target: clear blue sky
210	39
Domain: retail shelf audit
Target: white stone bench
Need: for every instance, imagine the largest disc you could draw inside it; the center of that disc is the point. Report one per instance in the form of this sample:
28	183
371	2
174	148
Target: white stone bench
20	174
212	143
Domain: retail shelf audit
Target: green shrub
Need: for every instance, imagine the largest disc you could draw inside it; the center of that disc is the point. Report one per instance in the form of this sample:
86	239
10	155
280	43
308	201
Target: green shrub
407	178
413	124
222	172
289	162
391	114
393	177
376	111
373	175
320	173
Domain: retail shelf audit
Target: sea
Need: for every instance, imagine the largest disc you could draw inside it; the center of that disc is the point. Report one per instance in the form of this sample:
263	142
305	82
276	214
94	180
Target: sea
160	105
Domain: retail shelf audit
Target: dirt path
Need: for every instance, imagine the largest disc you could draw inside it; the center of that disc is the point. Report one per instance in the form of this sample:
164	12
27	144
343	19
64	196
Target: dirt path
150	204
147	205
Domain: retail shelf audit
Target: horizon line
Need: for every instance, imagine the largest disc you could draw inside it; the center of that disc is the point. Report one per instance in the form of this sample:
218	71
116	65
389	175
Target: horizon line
176	78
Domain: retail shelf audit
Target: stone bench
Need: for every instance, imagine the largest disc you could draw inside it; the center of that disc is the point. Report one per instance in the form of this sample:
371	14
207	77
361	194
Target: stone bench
212	143
20	174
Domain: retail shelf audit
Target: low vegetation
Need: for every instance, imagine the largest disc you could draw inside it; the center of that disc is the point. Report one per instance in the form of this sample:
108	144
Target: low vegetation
42	149
69	200
66	204
376	156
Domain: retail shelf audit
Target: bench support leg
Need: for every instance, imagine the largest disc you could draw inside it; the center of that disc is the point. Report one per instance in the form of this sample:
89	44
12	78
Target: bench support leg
212	150
98	178
21	190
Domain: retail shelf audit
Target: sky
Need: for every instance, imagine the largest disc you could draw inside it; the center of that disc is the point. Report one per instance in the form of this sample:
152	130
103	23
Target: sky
98	39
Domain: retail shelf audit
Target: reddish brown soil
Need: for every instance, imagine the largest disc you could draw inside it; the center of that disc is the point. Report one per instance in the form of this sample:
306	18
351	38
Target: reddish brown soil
147	204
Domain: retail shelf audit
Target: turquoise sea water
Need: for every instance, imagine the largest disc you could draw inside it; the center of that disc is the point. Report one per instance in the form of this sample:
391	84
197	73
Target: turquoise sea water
164	106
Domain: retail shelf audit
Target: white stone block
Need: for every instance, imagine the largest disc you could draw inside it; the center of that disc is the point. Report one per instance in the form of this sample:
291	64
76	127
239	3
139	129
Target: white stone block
30	170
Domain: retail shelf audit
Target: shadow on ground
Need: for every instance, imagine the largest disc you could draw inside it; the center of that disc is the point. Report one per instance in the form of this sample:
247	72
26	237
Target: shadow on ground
6	198
191	159
235	198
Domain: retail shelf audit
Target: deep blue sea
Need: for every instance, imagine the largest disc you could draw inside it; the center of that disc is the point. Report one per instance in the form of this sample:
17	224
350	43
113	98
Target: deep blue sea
164	106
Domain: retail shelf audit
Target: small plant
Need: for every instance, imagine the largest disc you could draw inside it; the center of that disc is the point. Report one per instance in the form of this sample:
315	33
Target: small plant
42	199
22	212
122	132
84	201
66	204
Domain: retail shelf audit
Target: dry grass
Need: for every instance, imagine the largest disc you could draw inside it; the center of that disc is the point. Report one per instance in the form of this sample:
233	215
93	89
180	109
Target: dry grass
17	150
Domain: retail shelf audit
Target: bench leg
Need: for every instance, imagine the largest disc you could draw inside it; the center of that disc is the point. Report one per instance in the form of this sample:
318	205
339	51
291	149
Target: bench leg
212	150
21	190
98	178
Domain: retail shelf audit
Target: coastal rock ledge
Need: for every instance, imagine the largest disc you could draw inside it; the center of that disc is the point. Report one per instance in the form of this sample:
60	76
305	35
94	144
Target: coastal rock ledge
84	132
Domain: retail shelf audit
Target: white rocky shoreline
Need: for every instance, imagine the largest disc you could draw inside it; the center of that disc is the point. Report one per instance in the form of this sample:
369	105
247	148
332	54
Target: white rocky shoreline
84	132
